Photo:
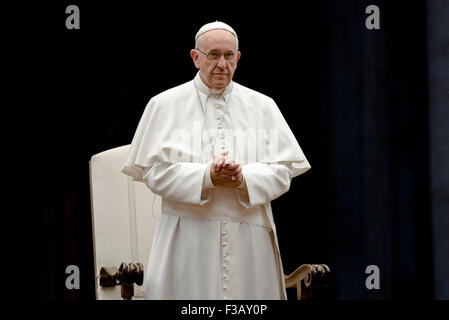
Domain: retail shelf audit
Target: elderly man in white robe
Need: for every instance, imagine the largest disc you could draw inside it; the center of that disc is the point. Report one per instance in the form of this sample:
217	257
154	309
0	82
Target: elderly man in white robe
217	153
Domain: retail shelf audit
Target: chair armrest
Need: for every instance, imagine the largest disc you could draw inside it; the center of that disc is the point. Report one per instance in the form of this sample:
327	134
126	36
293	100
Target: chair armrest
304	274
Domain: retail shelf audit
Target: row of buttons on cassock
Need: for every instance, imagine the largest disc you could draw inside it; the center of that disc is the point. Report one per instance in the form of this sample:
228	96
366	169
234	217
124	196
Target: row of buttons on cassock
226	273
220	117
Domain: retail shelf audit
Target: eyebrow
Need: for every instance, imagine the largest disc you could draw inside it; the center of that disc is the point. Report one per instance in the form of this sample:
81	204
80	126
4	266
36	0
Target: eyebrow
216	50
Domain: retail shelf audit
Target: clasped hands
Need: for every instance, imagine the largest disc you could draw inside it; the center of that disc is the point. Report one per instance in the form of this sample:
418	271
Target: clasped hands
222	169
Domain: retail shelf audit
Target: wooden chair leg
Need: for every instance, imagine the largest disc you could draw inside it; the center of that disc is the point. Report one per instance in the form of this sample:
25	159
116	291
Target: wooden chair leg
125	276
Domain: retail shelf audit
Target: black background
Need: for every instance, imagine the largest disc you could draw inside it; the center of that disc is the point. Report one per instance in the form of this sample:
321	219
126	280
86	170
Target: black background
356	100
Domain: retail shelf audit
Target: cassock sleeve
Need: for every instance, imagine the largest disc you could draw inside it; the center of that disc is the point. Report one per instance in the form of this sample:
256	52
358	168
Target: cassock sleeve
264	183
182	181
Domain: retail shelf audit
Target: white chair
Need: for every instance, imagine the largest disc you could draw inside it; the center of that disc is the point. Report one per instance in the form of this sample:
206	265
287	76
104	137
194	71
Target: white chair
124	218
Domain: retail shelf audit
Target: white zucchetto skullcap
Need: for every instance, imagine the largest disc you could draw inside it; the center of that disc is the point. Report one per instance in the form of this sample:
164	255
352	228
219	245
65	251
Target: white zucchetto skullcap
215	25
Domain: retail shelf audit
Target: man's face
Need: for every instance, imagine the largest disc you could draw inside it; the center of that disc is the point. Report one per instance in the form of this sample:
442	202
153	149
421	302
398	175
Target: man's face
216	74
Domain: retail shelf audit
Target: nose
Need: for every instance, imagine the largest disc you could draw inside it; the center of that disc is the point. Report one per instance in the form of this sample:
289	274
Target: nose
221	63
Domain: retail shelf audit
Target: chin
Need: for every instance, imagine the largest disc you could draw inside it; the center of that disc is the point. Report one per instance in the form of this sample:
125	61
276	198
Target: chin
220	84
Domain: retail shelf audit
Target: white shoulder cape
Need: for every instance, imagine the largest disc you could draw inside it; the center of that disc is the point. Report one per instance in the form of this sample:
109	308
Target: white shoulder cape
170	130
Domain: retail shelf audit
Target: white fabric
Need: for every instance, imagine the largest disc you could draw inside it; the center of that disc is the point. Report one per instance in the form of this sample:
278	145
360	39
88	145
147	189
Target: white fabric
224	205
171	125
213	26
190	255
184	265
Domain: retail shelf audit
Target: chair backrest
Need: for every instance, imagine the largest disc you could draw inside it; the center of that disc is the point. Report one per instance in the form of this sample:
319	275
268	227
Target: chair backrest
124	217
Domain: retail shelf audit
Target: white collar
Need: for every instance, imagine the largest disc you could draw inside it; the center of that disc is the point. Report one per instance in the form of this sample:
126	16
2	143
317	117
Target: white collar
207	92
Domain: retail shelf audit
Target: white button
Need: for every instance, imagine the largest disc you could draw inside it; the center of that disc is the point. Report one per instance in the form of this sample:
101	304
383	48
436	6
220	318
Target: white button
223	232
224	222
224	244
225	254
224	266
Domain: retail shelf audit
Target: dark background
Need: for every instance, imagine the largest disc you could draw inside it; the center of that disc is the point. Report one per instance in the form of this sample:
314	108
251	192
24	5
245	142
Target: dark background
368	107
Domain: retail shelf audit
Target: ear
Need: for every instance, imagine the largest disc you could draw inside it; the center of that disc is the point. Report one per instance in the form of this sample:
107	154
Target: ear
195	58
237	59
238	56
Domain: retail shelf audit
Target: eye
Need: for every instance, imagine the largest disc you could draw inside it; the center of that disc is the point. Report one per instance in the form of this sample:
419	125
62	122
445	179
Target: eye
229	56
214	55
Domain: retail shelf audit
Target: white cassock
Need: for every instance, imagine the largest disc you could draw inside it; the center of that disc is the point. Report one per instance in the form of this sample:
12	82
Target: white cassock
214	242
